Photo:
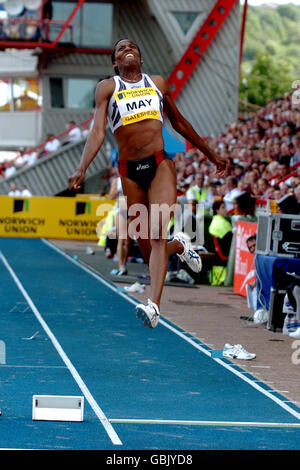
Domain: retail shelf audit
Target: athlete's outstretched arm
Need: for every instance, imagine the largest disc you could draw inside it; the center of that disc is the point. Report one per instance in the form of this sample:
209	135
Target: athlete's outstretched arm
97	134
183	127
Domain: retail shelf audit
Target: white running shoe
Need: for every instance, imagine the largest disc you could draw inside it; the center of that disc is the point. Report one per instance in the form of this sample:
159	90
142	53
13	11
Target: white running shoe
149	314
136	287
237	352
189	256
296	333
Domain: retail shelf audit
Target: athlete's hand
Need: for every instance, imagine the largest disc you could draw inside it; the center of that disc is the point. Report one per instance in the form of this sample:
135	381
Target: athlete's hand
76	180
221	168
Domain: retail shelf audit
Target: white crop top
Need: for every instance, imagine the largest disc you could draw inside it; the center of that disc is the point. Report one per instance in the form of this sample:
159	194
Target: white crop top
134	102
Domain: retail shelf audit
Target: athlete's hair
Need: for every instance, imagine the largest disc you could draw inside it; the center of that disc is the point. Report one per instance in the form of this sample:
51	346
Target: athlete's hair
113	55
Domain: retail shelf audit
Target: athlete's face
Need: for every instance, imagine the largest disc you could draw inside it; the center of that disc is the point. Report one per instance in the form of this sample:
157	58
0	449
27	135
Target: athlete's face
127	54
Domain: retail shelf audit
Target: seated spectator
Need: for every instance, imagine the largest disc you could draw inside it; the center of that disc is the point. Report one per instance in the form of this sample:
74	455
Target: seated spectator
74	133
270	194
286	152
272	172
213	187
263	188
254	190
262	168
25	191
189	173
242	186
251	177
283	170
239	172
10	169
232	192
198	192
52	144
277	194
284	188
296	155
14	192
288	129
29	157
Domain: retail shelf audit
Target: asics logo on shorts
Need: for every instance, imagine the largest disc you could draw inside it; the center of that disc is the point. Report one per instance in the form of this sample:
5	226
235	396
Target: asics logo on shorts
142	167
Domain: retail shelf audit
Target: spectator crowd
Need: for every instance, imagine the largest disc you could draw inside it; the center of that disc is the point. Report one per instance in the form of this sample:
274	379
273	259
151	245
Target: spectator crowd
263	154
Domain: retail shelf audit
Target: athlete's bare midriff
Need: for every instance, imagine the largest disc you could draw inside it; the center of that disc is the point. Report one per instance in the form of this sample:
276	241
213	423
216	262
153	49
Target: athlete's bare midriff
139	140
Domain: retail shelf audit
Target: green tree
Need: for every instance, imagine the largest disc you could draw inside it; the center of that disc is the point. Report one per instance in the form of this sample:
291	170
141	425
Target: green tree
267	79
289	11
275	31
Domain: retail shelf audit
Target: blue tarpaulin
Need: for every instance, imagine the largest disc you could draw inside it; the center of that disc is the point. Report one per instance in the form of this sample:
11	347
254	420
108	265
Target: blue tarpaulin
172	144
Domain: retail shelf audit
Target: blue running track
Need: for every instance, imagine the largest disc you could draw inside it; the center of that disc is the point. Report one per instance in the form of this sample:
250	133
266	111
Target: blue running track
65	330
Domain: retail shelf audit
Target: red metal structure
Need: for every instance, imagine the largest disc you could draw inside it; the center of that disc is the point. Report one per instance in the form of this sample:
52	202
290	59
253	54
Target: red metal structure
197	48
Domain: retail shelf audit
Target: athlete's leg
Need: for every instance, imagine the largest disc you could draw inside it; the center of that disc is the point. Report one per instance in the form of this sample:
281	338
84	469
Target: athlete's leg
162	197
137	205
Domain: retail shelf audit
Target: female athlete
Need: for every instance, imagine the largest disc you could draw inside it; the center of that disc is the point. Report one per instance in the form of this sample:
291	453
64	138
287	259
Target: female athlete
133	104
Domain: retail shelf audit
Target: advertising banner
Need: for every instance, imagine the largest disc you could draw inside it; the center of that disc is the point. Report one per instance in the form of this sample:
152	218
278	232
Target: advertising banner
244	257
52	217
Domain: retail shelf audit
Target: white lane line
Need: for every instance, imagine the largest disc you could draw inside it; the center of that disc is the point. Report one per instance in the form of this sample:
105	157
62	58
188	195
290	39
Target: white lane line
229	367
204	423
99	413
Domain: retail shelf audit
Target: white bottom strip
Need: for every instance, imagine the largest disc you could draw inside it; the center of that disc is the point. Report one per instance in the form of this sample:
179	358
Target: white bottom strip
203	423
